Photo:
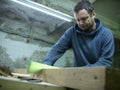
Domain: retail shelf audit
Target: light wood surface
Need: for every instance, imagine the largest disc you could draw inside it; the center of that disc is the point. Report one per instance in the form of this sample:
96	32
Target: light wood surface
10	83
92	78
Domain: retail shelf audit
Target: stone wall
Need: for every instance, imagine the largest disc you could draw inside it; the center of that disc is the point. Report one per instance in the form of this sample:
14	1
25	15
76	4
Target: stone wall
26	34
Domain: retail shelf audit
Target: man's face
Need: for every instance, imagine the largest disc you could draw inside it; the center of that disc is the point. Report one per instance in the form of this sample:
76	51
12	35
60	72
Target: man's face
84	20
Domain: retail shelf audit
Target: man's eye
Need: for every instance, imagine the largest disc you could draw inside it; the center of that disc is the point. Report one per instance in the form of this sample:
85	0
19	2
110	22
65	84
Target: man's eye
84	18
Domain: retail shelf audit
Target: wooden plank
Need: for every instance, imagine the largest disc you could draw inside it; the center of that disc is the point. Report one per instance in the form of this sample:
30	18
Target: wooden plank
7	83
92	78
20	70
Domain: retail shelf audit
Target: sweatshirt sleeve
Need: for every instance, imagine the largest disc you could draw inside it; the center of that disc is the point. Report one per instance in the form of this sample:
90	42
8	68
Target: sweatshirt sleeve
58	49
107	51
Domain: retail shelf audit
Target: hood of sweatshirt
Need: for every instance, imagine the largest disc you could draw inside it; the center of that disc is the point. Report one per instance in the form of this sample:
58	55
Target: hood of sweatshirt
90	32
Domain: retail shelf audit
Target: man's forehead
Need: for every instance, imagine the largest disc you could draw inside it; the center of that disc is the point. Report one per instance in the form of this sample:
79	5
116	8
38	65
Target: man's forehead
82	13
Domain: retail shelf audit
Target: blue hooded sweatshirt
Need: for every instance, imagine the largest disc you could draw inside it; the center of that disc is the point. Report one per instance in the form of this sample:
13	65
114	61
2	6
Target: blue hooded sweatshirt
91	48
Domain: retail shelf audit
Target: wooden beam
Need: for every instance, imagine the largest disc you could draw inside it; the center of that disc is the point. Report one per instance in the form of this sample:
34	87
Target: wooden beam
93	78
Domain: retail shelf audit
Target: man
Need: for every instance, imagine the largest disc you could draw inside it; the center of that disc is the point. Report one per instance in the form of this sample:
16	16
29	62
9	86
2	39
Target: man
92	43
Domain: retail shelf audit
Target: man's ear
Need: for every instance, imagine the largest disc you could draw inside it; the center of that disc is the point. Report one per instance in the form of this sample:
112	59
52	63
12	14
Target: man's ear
93	14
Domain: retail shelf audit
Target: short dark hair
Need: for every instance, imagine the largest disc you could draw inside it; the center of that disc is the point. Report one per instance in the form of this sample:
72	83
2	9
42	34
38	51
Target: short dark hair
84	4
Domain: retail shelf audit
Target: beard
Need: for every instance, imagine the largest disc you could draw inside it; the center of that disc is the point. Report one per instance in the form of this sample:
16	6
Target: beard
88	26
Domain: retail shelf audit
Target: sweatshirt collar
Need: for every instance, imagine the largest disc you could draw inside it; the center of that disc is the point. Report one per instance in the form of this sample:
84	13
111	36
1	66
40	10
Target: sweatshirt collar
91	32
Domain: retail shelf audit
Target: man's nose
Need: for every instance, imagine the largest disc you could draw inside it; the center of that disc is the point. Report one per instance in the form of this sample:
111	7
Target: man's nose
81	22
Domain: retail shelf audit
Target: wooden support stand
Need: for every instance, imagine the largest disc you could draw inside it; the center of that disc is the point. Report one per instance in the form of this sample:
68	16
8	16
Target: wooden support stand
84	78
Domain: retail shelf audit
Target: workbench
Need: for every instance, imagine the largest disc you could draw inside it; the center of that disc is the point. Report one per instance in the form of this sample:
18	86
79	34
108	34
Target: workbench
79	78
